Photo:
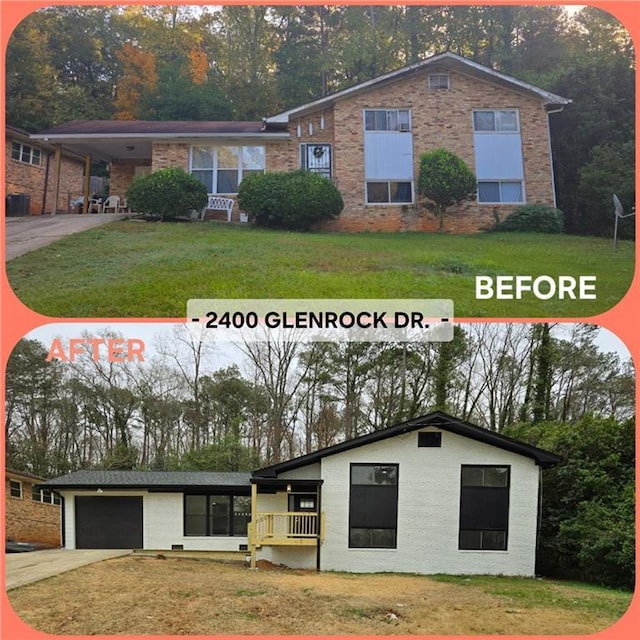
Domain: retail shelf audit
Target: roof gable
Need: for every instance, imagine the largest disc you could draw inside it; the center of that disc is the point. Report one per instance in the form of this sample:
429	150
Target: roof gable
437	419
447	60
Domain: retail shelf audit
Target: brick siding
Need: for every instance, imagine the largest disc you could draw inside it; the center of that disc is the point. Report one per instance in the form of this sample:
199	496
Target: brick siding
440	118
170	155
28	520
122	173
24	178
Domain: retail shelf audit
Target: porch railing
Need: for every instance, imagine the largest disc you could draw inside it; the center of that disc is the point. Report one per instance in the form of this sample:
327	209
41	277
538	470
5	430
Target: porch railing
286	525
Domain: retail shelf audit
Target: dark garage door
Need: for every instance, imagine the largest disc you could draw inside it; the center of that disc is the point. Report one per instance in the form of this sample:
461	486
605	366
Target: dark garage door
108	522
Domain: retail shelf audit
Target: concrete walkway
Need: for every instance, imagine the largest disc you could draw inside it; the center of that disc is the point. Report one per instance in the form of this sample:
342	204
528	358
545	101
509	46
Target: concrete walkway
26	233
24	568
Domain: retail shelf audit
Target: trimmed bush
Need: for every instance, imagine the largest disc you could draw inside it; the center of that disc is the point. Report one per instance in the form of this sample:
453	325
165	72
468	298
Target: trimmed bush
167	193
444	180
539	218
293	200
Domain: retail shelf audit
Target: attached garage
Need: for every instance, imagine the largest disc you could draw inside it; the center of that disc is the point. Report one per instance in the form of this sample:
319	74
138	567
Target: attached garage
108	522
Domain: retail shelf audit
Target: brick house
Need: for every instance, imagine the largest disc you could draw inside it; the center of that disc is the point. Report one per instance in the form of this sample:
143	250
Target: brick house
367	139
29	171
32	513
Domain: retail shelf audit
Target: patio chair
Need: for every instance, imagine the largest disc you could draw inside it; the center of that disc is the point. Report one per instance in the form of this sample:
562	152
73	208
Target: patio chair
111	204
94	205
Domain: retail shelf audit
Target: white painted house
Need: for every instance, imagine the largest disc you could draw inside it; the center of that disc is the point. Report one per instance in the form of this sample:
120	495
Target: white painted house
431	495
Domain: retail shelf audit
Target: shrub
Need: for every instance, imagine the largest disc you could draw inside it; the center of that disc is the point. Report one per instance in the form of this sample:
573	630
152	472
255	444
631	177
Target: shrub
539	218
293	200
443	181
167	193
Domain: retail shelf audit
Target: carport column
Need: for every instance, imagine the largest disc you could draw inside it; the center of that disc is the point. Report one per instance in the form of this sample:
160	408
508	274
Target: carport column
87	184
252	526
56	184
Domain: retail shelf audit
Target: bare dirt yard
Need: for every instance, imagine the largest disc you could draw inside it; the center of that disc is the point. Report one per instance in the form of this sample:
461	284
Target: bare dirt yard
191	596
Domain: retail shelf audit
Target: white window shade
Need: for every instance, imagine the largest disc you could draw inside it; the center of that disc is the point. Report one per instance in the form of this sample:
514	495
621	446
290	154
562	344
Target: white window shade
388	156
498	156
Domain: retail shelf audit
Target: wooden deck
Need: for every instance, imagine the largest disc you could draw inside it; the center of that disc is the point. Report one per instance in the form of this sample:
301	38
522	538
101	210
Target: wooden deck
295	529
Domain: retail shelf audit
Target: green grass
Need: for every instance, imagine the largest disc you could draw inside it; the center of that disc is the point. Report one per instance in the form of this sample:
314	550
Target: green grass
531	593
135	269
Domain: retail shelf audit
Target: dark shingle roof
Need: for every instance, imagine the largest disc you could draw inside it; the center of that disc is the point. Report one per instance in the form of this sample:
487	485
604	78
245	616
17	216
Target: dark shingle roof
437	419
150	480
153	127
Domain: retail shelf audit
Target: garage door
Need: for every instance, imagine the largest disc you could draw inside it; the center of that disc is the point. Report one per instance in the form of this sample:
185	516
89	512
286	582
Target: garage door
108	522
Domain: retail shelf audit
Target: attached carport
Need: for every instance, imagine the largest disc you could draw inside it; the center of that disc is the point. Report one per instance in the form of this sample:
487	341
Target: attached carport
108	522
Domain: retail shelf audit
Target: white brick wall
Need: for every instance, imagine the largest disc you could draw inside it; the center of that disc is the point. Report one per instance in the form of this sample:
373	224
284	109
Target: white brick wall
162	523
428	509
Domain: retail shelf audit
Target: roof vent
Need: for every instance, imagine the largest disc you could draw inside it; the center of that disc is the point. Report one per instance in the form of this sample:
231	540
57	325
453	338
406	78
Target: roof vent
439	81
429	438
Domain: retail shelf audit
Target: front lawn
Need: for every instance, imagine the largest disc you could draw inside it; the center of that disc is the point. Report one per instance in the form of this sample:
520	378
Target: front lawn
136	269
182	596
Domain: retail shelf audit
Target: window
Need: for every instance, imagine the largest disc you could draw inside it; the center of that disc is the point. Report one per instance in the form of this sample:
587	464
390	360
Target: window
389	192
15	489
373	506
216	515
499	160
500	191
221	169
45	495
25	153
438	81
388	156
387	120
316	158
484	508
496	120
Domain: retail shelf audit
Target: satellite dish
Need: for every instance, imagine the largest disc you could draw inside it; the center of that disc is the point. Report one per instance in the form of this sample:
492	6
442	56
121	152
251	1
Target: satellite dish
619	211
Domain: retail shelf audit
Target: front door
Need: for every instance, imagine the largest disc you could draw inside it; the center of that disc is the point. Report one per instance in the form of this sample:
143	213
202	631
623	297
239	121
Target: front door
303	503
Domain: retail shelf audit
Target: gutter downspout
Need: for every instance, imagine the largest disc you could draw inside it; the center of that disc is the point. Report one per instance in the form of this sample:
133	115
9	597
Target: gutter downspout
553	178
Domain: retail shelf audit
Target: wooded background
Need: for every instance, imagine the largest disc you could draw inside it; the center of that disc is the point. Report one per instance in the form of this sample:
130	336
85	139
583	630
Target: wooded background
248	62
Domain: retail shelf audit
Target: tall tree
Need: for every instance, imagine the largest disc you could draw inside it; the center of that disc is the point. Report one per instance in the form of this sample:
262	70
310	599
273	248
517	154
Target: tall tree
139	78
32	391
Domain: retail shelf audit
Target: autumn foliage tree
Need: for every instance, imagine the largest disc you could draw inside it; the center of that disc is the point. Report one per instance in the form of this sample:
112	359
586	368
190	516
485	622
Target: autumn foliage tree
139	76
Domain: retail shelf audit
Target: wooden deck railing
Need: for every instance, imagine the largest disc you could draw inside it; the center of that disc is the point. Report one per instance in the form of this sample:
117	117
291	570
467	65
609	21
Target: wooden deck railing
286	525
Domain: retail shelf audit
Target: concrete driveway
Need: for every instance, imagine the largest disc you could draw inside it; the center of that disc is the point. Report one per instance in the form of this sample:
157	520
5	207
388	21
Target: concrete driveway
24	568
26	233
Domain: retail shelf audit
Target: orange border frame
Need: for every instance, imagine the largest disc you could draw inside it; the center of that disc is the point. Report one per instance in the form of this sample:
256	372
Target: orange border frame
16	320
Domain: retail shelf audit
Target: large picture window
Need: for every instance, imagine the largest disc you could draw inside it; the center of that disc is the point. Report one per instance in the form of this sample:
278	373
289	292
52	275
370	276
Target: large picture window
373	506
216	515
484	507
221	168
